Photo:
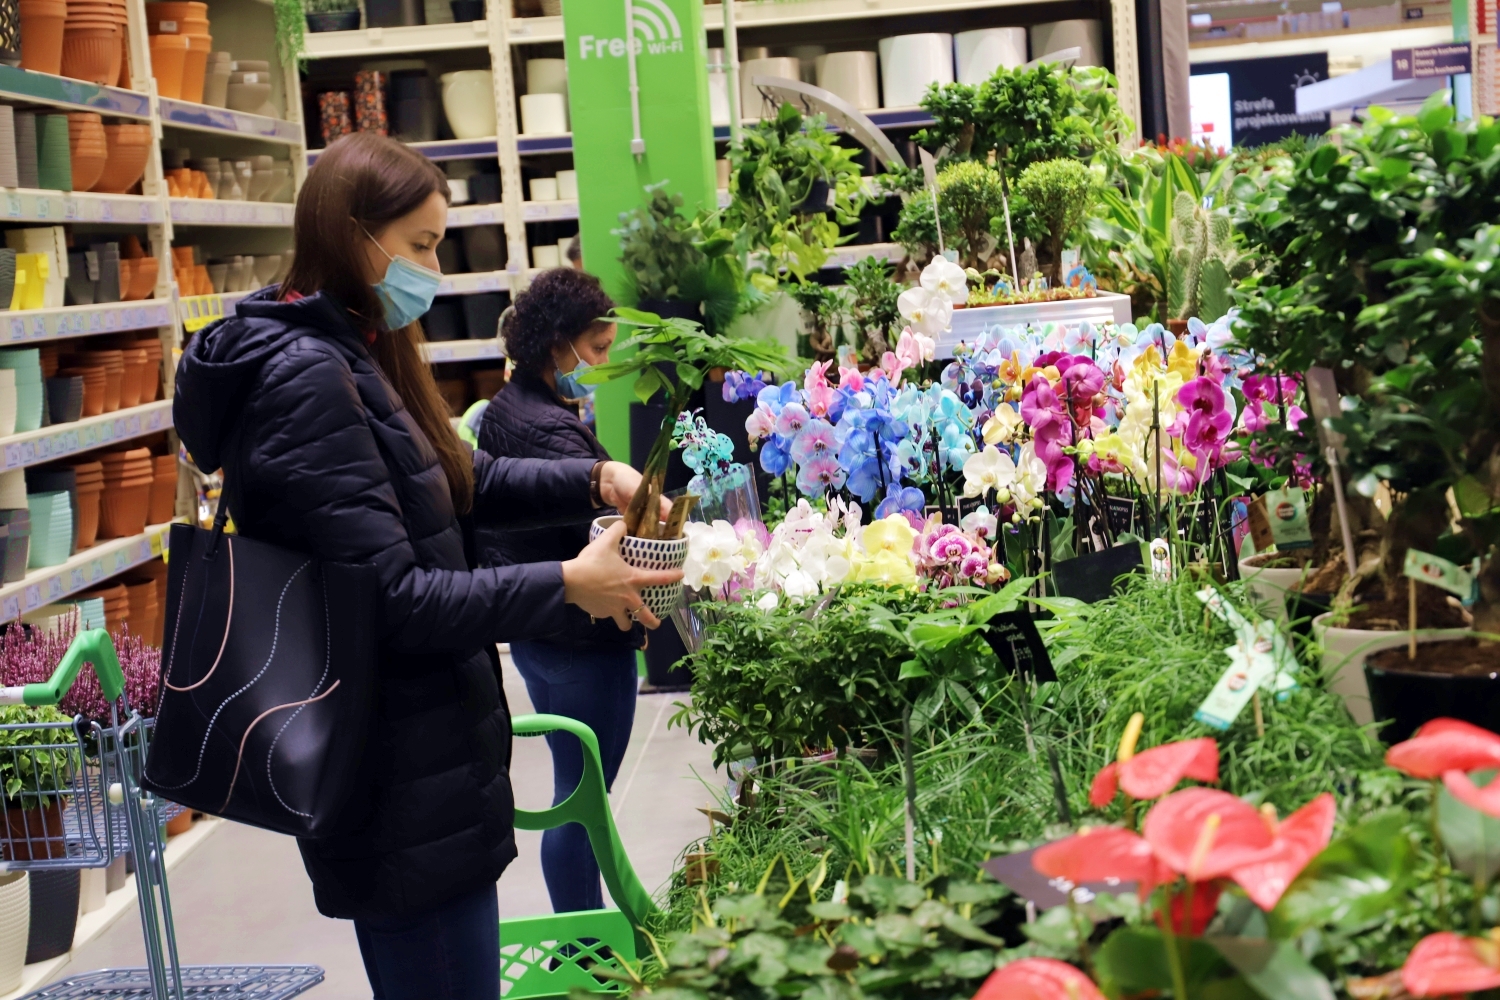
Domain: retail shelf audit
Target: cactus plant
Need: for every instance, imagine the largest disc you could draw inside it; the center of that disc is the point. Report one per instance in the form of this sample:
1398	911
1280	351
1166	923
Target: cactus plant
1205	260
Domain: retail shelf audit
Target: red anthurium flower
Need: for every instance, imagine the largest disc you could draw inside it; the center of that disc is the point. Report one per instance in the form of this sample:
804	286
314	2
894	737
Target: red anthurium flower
1443	964
1205	905
1153	773
1444	745
1100	854
1205	833
1295	841
1462	788
1038	979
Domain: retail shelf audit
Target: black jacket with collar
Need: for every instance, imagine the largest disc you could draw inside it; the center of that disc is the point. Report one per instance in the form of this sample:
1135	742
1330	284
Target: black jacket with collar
322	457
527	419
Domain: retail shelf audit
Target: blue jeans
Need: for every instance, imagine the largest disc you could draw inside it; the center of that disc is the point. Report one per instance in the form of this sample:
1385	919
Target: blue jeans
597	687
450	953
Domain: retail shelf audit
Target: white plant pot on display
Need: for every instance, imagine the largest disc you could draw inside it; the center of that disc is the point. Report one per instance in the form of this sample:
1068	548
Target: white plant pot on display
93	888
469	103
544	114
547	76
15	927
854	76
567	185
908	63
650	553
1345	651
752	105
1270	586
977	54
970	324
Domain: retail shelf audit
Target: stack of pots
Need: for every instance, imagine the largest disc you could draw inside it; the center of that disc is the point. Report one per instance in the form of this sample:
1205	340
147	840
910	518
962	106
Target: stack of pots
151	377
89	152
126	148
93	43
93	386
89	477
113	363
128	476
42	25
116	604
143	608
137	364
186	23
163	489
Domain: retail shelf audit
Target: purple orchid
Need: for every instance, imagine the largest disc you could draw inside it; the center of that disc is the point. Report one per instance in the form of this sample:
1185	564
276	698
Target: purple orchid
817	477
818	439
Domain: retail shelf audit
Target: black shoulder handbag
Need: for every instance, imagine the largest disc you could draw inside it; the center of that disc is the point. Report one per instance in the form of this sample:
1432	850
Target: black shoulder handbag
267	684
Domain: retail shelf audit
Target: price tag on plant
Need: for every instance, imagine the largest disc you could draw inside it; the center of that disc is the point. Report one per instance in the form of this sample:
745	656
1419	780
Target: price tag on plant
1015	639
1252	666
1460	581
1279	518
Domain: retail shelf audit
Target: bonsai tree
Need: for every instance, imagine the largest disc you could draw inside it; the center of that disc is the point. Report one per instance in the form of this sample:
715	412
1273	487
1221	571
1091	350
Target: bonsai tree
777	176
873	308
823	307
969	197
1384	274
671	258
673	356
1057	194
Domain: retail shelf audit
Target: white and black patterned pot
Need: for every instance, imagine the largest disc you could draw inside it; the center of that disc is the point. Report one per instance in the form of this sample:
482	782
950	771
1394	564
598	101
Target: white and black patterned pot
650	553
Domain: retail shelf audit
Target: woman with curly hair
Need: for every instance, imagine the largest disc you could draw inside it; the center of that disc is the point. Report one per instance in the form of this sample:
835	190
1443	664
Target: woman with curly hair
554	331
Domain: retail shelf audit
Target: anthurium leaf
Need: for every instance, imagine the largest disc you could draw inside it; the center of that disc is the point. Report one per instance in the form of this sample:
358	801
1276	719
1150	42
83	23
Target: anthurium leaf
1356	879
1275	969
1134	960
1471	837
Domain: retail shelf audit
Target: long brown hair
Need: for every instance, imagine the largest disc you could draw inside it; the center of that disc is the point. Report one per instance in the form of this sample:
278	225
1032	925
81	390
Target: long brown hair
369	180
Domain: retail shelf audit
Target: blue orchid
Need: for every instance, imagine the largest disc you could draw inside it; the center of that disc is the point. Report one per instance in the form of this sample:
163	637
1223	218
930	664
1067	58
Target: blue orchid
900	498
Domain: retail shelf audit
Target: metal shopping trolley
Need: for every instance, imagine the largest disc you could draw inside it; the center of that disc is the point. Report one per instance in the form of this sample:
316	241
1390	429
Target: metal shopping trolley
74	800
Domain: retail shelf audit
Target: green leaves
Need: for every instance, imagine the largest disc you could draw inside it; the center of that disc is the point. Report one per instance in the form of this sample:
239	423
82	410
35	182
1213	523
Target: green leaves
1471	837
1358	878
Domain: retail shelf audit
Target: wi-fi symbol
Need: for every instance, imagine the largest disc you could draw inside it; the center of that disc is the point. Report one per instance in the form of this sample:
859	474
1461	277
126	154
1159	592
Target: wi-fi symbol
654	21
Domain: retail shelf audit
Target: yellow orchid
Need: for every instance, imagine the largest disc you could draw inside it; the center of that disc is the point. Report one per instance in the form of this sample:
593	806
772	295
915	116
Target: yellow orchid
1014	372
891	534
1183	361
1003	426
885	567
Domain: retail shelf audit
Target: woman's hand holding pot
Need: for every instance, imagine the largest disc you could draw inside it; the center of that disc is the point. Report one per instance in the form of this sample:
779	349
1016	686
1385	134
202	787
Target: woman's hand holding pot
605	586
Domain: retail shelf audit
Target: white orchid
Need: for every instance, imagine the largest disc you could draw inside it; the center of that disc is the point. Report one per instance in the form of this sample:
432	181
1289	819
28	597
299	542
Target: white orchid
990	469
768	601
713	554
1031	478
946	278
928	313
982	523
827	559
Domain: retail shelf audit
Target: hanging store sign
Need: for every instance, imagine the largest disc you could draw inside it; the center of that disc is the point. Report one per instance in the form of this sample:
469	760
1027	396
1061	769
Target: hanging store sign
1430	61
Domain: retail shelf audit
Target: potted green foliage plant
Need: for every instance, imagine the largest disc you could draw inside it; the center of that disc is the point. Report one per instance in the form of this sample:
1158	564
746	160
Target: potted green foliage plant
331	15
680	266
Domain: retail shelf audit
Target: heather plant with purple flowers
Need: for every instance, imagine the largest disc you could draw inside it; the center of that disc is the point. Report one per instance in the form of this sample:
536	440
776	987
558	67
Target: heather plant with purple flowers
29	655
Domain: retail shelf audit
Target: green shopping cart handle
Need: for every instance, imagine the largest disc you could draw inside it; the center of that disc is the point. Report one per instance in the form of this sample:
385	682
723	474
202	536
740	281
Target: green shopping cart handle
589	807
93	647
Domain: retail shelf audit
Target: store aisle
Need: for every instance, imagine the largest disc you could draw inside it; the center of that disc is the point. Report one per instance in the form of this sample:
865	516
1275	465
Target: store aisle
243	897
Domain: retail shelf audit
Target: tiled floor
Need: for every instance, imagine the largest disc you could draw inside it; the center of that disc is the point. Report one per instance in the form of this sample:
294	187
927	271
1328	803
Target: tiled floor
243	897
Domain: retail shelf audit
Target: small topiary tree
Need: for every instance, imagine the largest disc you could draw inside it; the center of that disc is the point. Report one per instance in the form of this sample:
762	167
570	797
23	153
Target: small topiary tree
1058	195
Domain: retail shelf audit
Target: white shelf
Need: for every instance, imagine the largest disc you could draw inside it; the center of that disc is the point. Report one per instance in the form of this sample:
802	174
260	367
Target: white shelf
58	440
845	256
473	284
212	212
462	216
28	205
383	41
461	350
549	211
222	121
91	566
539	30
22	325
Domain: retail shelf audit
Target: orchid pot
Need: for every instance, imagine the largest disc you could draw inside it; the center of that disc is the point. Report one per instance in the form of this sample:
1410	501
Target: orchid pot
653	554
1345	651
970	323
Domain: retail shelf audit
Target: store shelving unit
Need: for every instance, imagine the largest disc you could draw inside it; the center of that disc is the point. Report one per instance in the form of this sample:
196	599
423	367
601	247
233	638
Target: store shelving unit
47	444
89	567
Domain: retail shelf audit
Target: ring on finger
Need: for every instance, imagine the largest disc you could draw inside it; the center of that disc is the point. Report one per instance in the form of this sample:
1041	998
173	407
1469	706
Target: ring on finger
634	615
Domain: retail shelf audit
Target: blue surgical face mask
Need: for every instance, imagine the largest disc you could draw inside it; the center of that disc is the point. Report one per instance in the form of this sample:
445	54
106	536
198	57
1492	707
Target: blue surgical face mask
407	291
568	386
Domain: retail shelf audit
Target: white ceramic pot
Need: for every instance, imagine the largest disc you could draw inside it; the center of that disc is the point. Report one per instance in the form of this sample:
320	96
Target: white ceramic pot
544	189
547	76
718	96
748	52
544	256
458	191
853	76
1344	653
1087	35
562	250
567	185
807	57
93	887
650	553
544	114
469	103
752	105
1270	586
908	63
721	173
15	926
977	54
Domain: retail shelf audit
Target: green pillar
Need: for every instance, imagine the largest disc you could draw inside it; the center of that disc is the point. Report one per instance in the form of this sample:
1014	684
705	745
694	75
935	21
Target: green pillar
671	70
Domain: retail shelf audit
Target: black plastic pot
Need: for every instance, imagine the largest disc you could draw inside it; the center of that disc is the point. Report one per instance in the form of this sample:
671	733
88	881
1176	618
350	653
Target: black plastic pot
672	309
415	119
1404	700
394	13
54	914
1301	609
817	199
450	255
467	10
484	189
444	321
482	315
484	246
334	20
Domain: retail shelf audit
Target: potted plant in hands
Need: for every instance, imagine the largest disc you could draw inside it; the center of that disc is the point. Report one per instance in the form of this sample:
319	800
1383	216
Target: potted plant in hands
673	356
331	15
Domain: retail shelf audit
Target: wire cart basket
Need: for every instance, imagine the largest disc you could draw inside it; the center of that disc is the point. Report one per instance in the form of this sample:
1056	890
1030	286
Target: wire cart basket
73	800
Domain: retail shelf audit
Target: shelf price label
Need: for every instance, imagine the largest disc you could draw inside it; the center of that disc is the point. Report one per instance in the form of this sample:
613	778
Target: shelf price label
54	587
18	328
11	607
96	570
70	209
122	560
33	597
133	424
77	580
153	420
13	206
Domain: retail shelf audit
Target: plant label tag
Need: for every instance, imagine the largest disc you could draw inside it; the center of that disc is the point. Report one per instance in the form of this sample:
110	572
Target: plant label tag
1460	581
1254	637
1280	518
1250	668
1323	400
929	168
1121	513
1014	638
1161	560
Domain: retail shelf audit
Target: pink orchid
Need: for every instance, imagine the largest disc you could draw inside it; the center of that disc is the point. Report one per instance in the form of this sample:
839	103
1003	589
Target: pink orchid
892	367
792	419
975	565
1204	423
1051	429
819	392
1269	390
950	545
851	378
760	424
914	348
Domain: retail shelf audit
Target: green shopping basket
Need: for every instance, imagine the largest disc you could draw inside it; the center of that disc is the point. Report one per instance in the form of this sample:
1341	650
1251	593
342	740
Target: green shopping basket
546	956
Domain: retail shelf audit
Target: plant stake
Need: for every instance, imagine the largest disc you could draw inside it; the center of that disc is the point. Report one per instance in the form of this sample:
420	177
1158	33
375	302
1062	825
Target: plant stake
929	177
911	796
1411	617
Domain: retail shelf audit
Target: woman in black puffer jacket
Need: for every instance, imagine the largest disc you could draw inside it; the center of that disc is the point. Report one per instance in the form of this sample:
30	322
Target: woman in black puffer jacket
334	441
553	332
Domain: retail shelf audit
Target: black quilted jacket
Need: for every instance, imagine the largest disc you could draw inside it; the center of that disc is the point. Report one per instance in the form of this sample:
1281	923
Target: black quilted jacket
526	419
322	457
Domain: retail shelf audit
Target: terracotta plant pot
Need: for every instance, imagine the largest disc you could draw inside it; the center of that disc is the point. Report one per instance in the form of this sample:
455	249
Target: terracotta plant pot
87	148
93	387
168	60
42	35
86	530
195	66
34	834
124	166
91	52
123	510
164	490
130	382
181	823
143	279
